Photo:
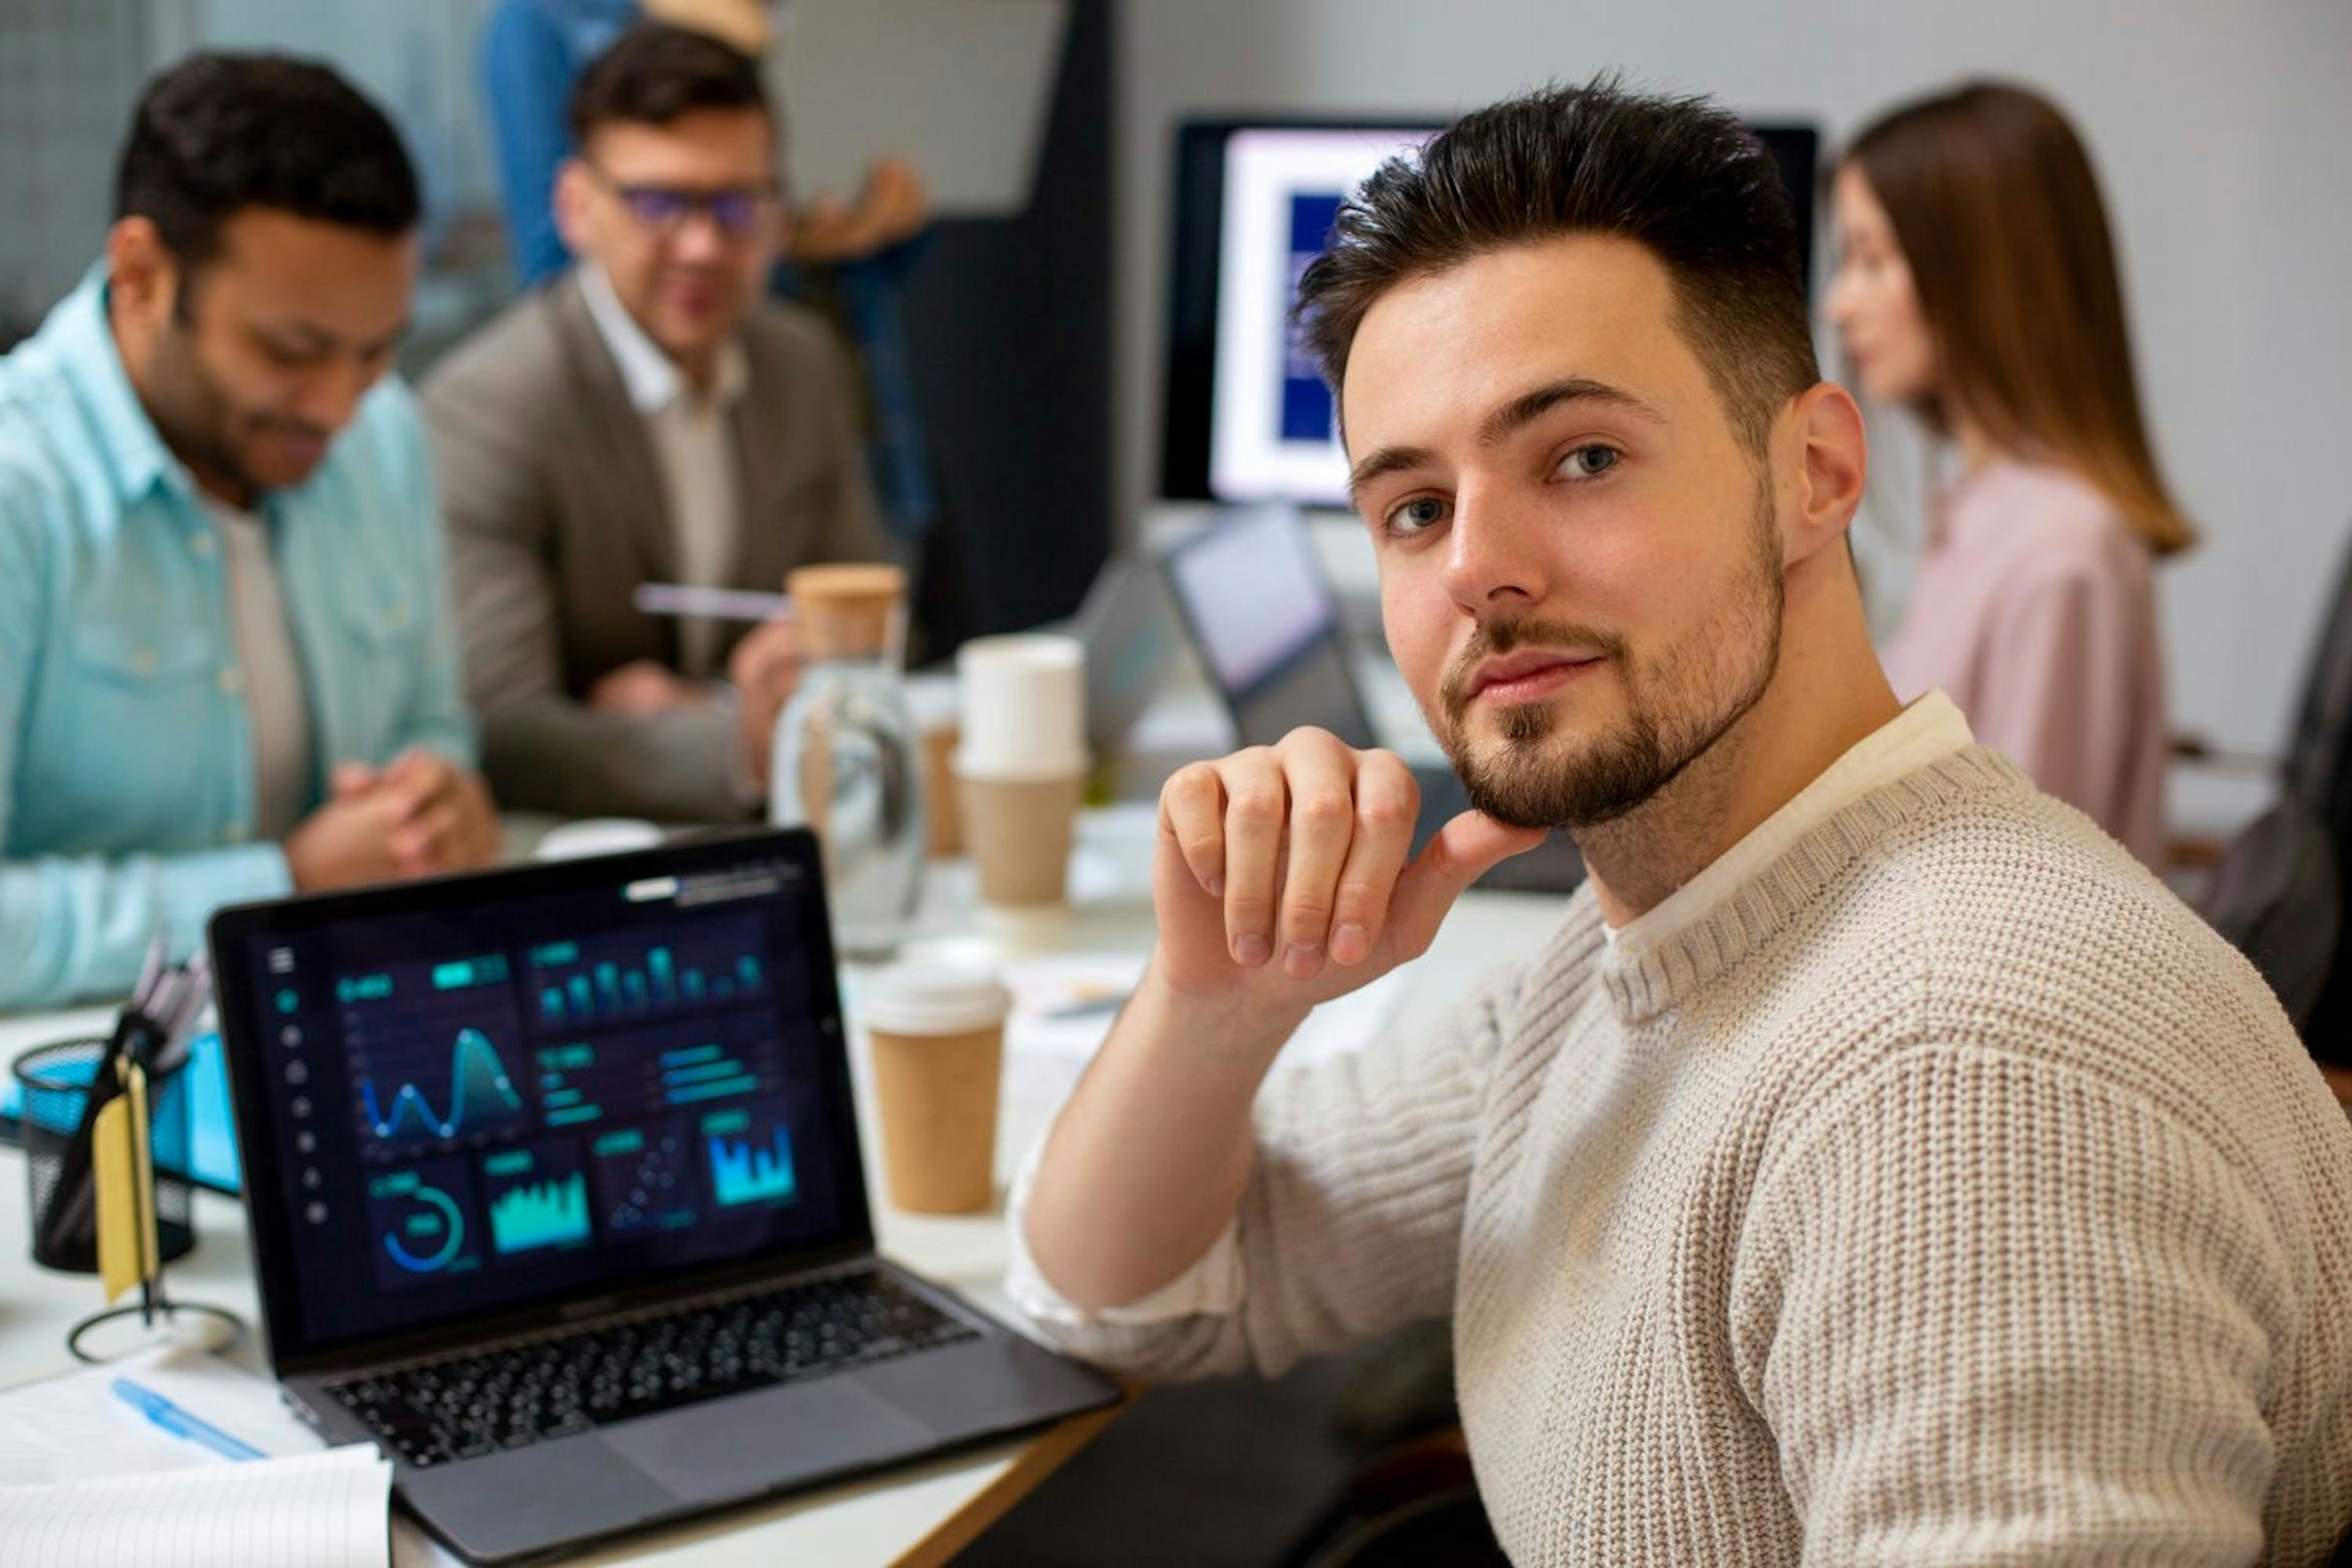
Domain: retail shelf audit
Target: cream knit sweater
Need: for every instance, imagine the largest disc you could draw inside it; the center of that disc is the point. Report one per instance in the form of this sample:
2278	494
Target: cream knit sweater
1946	1194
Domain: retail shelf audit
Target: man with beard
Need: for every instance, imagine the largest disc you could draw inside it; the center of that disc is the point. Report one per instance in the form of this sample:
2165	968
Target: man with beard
647	417
225	672
1877	1165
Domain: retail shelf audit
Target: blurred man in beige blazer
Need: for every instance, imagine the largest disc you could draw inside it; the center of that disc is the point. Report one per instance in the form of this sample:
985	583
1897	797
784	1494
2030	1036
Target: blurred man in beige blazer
648	417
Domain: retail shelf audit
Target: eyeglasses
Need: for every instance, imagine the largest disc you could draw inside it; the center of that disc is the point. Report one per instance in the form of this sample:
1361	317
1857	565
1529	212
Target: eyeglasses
735	211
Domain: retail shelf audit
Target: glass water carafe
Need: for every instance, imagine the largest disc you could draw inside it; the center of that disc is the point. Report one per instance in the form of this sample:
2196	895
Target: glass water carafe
847	758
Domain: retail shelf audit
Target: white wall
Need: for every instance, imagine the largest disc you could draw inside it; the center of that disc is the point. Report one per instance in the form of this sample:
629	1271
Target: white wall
2222	133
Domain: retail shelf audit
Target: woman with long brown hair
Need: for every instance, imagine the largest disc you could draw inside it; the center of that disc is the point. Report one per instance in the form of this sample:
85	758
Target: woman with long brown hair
1977	285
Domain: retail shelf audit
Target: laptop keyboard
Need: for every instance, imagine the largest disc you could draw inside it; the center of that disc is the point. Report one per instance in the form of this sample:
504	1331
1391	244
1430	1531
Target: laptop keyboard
466	1406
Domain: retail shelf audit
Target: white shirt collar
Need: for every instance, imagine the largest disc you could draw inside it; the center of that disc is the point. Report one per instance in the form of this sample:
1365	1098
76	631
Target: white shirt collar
1929	729
652	381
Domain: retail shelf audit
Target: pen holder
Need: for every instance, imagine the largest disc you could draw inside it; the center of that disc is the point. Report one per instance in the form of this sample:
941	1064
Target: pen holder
56	1082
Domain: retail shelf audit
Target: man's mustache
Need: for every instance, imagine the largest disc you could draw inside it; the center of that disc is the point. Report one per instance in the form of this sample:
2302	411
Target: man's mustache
1492	639
299	428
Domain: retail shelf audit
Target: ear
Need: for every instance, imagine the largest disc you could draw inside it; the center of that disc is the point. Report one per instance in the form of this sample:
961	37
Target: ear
142	275
572	196
1830	462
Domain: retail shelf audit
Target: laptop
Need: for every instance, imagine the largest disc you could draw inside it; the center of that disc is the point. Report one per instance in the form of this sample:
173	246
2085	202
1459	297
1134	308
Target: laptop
556	1195
1130	637
1260	613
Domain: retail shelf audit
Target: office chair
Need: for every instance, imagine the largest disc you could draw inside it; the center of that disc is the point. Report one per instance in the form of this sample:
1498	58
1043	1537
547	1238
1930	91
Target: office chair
2276	896
2278	890
2318	774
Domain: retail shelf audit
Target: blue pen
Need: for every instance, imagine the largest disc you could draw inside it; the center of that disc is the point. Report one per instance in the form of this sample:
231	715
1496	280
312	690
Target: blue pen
179	1423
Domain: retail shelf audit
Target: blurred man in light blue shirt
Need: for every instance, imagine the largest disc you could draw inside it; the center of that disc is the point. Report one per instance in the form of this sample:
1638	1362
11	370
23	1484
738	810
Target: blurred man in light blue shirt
225	667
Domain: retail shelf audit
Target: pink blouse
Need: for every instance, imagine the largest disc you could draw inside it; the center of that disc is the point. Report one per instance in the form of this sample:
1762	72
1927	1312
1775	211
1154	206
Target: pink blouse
2034	609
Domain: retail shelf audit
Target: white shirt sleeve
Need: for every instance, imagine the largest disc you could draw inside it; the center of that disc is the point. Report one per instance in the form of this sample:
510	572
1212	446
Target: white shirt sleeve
1211	1285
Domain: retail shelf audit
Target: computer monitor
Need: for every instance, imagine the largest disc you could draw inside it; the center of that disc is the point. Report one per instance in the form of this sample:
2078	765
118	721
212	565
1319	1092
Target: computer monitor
1247	417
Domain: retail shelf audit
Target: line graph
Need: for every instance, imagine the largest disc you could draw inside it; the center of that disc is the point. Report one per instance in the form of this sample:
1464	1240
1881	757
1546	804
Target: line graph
429	1062
481	1095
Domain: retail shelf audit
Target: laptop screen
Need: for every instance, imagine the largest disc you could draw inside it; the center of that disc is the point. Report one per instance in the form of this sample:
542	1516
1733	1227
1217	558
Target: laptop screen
529	1086
1263	618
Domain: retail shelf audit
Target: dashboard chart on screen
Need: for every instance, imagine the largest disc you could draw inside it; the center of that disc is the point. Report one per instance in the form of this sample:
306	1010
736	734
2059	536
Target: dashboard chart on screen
620	1079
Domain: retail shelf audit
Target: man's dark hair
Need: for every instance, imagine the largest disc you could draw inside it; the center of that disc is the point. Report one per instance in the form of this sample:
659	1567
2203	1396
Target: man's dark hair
218	132
1679	176
654	73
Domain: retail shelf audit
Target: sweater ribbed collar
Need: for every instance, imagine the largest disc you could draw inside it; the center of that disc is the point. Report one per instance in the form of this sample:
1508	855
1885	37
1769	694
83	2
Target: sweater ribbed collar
1644	981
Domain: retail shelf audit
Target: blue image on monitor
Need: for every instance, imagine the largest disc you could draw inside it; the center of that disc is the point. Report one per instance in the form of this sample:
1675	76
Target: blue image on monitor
1305	401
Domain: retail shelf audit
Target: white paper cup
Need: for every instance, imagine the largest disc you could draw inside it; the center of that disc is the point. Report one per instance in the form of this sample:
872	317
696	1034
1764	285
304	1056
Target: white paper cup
1024	706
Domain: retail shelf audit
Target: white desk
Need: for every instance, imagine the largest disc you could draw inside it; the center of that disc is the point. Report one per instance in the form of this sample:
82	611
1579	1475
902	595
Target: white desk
917	1515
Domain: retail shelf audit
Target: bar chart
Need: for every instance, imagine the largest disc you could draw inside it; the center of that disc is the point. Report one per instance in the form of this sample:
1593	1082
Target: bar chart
622	1077
539	1198
744	1169
580	985
704	1072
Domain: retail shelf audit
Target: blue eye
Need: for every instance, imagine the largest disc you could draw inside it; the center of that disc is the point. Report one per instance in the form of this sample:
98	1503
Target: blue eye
1418	515
1589	462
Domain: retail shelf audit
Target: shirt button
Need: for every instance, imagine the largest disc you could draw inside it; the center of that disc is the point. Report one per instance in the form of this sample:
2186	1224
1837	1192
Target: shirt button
201	543
143	662
237	832
232	682
396	618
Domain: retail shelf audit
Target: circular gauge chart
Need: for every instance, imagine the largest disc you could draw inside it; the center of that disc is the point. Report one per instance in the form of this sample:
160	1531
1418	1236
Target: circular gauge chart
419	1215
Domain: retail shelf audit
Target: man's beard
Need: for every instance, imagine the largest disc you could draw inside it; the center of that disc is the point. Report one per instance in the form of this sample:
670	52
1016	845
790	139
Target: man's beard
1678	706
197	418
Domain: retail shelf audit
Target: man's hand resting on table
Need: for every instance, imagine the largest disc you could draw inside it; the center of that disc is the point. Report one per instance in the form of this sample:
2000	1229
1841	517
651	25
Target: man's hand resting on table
418	815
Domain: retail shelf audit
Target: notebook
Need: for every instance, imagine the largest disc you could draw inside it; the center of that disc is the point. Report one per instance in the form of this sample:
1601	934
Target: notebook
91	1484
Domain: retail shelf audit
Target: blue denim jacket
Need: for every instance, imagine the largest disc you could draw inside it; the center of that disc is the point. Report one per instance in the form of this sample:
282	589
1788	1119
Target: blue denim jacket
126	759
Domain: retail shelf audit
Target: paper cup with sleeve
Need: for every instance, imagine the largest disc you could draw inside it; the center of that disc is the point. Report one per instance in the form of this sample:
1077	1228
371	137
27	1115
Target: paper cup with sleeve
936	1034
1021	767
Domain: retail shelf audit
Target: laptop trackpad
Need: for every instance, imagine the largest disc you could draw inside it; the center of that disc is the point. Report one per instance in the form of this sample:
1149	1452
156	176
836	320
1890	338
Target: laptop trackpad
754	1443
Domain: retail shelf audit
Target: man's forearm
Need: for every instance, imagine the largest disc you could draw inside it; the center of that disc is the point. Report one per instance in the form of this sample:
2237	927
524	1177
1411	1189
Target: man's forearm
1147	1163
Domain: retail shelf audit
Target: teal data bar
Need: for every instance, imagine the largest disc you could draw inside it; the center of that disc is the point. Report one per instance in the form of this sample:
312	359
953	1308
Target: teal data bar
717	1089
489	969
704	1073
570	1114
